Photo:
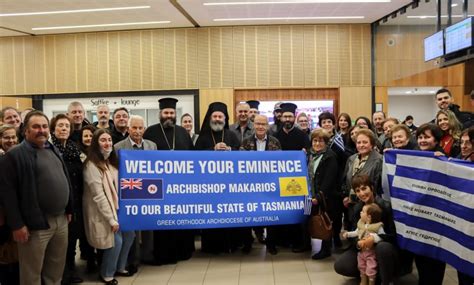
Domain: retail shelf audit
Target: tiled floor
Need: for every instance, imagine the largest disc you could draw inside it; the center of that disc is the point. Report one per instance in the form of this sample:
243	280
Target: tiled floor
256	268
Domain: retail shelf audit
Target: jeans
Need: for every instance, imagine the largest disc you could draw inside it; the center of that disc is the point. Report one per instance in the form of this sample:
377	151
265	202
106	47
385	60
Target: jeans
115	258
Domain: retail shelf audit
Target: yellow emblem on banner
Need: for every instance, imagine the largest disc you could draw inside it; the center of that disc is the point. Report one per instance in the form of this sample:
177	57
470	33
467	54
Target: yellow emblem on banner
293	186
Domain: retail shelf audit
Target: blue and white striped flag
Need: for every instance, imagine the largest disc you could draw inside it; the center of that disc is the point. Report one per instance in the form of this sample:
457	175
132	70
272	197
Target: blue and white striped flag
433	206
307	205
338	141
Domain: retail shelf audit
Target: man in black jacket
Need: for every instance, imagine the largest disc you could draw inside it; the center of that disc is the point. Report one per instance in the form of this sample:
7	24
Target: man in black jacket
445	101
36	194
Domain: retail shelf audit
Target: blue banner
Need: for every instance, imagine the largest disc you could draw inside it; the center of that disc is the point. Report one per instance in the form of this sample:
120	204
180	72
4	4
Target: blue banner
433	205
211	189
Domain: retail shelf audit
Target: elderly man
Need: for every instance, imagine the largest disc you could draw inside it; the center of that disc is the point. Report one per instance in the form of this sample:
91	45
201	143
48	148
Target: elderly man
253	111
37	200
103	118
170	246
262	142
75	112
135	141
244	127
120	129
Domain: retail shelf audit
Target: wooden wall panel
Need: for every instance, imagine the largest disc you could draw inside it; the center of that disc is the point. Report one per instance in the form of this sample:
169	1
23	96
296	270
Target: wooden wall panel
224	95
356	101
287	56
18	103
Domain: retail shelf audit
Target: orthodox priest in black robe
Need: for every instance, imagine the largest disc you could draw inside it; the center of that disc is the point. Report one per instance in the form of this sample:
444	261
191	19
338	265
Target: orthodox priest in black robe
291	138
215	135
170	246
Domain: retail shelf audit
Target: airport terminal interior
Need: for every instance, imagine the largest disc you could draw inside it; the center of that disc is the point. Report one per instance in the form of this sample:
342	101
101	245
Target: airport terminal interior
338	56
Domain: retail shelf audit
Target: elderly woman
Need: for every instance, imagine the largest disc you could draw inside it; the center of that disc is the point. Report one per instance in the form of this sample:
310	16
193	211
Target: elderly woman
451	128
385	249
401	137
60	137
100	202
323	170
8	138
386	139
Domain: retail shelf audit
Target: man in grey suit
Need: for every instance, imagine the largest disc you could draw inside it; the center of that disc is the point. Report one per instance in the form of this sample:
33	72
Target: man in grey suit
143	244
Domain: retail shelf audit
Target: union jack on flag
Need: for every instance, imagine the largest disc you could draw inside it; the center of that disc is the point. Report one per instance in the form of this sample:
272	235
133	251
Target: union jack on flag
131	184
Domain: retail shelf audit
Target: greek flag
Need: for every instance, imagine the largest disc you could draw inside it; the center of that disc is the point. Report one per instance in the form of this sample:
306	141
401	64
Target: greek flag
307	205
433	206
338	142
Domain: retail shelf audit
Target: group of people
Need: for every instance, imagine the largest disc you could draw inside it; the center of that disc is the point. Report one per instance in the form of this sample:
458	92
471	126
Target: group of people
59	182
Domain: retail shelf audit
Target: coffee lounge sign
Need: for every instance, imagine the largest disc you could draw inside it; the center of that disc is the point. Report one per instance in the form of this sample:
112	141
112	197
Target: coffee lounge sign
115	102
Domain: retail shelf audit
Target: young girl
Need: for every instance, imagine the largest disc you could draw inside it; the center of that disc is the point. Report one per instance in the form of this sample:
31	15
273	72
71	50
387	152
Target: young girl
368	225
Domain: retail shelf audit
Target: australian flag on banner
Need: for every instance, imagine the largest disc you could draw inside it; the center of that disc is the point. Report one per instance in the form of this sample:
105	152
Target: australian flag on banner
139	188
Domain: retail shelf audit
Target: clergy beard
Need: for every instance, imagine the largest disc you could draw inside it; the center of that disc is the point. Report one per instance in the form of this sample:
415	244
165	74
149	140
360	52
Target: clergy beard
217	126
168	122
288	125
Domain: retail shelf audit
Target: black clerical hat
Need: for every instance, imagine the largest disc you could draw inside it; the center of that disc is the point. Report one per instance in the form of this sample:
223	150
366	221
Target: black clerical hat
253	104
288	107
218	107
168	103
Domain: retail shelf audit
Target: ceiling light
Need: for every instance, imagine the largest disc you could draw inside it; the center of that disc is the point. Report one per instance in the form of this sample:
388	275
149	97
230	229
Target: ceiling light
292	2
99	25
74	11
454	5
288	18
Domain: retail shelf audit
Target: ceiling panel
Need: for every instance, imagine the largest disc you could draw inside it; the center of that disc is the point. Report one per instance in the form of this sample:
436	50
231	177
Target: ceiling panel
206	15
8	33
160	10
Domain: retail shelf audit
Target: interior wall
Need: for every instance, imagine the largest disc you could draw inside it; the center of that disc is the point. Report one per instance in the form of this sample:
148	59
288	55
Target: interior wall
423	108
18	103
289	56
356	101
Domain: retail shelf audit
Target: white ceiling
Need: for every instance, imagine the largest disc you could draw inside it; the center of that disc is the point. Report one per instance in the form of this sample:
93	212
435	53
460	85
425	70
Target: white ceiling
410	91
418	16
163	10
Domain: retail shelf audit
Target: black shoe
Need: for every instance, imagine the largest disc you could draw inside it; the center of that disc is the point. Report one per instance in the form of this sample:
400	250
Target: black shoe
272	250
124	274
321	255
132	268
111	282
300	249
247	248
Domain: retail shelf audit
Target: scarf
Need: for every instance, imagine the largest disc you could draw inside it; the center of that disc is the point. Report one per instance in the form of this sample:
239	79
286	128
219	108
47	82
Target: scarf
70	151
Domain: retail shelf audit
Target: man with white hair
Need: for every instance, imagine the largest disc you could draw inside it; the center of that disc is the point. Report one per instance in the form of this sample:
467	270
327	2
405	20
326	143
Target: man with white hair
135	141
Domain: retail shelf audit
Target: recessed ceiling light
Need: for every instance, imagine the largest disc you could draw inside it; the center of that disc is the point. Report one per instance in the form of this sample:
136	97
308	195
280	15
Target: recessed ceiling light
454	5
99	25
292	2
288	18
73	11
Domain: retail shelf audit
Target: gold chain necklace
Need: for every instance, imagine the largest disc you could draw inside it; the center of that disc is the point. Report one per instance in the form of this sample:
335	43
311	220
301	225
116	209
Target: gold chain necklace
214	140
166	139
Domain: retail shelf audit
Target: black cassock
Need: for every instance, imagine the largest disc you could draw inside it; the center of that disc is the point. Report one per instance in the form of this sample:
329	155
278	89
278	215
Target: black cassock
290	235
171	246
223	239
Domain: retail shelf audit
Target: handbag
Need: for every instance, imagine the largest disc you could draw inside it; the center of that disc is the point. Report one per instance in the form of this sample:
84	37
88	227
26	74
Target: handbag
320	225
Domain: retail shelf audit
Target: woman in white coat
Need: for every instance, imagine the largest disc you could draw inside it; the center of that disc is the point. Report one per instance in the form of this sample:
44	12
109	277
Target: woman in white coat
100	205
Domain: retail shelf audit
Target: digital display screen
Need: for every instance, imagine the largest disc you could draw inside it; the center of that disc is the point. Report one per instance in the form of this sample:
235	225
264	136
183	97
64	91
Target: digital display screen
434	47
459	36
